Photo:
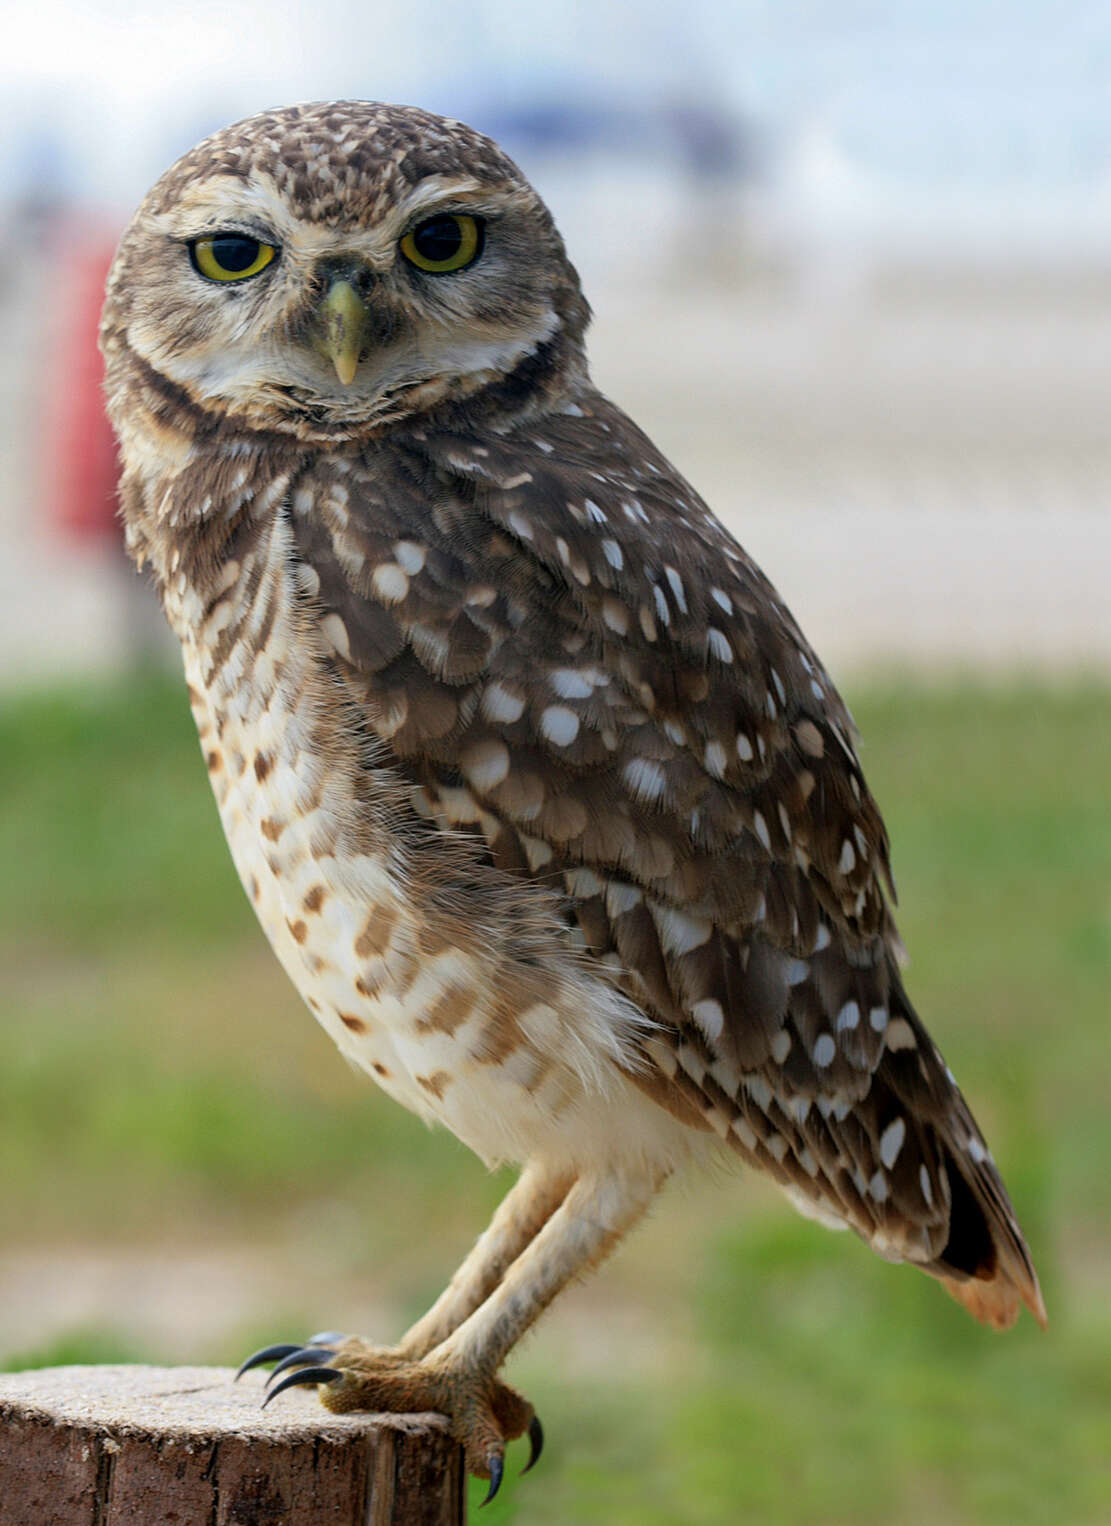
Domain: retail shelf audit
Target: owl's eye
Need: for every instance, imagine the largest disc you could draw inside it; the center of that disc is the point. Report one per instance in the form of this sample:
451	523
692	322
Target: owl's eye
444	244
230	256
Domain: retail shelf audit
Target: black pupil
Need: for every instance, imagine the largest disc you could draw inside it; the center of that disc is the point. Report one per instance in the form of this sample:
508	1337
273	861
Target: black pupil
438	239
232	251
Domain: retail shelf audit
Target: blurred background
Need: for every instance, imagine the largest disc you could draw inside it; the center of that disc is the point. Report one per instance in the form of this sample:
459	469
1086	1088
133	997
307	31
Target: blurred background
851	265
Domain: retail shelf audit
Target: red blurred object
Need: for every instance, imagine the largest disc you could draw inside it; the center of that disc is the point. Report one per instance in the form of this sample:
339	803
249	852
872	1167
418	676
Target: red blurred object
78	450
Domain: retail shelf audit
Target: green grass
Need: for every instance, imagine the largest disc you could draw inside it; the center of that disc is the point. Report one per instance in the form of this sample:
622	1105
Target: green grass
160	1084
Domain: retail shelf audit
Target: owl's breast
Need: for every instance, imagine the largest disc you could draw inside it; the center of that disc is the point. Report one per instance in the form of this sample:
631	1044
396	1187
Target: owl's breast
421	1004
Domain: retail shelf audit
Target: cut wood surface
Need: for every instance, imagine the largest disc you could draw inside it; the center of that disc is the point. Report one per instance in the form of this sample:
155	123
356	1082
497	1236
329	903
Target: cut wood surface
185	1446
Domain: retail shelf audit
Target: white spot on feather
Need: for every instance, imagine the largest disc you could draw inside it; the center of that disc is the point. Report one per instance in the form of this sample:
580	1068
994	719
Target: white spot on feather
390	582
680	933
718	644
485	764
824	1050
646	779
584	883
891	1141
760	1092
900	1035
335	632
559	725
571	683
715	759
500	704
709	1017
877	1187
538	852
809	739
615	615
410	556
621	897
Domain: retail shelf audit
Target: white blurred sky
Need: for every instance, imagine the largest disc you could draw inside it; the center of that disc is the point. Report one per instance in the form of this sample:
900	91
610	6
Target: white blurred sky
983	123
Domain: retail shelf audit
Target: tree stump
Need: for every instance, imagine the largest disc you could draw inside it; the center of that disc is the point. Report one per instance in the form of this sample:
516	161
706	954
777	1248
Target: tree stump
184	1446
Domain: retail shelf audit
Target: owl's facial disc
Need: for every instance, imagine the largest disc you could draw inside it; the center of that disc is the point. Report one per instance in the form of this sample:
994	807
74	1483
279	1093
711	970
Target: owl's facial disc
266	312
328	270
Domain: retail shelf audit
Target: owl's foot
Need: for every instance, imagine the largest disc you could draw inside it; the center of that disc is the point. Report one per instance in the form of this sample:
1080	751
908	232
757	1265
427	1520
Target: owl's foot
484	1413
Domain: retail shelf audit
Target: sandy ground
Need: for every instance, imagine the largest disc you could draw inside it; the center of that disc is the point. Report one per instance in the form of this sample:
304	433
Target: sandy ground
925	473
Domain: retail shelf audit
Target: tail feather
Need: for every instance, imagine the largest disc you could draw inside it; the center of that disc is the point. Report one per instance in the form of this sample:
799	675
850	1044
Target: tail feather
985	1264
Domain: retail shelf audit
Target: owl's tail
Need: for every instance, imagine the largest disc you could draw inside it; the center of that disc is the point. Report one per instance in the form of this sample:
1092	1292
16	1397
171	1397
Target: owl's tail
985	1264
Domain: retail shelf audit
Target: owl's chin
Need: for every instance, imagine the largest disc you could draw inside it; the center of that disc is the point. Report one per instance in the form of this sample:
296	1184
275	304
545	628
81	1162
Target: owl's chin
311	414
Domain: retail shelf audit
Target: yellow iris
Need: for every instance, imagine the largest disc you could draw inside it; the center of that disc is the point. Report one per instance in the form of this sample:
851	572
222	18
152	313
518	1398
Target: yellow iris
231	256
451	241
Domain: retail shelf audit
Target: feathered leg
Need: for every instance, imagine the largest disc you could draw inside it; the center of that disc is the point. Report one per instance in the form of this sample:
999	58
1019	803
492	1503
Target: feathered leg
458	1377
523	1212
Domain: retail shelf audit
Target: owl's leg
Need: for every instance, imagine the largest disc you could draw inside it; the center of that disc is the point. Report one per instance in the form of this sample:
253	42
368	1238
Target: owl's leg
523	1212
458	1377
525	1209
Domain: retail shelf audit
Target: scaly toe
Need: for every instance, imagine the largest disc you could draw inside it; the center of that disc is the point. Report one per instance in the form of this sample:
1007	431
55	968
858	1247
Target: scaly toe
485	1414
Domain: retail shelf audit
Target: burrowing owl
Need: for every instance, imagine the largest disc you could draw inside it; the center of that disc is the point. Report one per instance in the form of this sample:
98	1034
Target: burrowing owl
547	807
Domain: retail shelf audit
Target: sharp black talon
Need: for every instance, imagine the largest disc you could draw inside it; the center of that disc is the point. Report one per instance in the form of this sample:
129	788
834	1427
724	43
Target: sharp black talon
536	1443
267	1354
497	1468
304	1375
326	1338
303	1356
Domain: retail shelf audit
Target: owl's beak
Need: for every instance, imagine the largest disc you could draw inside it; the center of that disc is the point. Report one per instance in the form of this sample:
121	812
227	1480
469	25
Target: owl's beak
343	323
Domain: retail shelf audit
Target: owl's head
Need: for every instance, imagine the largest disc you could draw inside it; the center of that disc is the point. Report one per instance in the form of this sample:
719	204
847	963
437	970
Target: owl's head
329	269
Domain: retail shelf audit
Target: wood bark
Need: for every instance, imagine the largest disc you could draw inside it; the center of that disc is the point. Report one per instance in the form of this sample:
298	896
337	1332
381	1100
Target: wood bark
185	1446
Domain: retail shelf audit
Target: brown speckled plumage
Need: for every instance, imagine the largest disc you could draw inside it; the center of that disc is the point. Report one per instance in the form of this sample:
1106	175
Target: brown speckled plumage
547	806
